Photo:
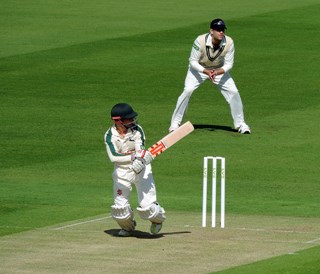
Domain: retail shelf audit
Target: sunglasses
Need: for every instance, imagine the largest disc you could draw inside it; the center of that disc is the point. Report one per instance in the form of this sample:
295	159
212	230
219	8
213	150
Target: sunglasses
219	29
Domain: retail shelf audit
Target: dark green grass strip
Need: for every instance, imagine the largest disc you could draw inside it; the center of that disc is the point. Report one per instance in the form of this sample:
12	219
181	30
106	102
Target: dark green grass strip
301	262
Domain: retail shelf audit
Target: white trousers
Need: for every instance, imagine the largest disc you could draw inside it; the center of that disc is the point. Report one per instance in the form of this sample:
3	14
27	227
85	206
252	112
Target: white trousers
125	178
225	84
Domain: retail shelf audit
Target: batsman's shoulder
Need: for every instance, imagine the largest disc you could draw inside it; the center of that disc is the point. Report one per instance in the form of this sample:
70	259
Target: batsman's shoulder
139	129
140	134
108	132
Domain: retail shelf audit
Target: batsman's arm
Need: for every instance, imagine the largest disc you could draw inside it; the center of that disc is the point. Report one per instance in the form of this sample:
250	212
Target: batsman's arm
112	150
118	158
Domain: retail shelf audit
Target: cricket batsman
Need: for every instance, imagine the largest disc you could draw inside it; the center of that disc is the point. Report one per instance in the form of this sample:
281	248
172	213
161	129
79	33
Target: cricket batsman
125	145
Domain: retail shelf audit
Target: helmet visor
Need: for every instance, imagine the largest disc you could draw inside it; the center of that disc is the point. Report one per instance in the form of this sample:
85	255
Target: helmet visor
130	123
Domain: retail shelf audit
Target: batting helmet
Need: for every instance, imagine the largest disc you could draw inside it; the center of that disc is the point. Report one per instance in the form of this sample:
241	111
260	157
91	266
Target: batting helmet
122	111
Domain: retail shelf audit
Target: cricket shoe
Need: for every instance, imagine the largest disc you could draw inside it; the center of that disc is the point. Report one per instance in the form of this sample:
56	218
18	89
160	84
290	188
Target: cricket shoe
155	228
124	233
244	129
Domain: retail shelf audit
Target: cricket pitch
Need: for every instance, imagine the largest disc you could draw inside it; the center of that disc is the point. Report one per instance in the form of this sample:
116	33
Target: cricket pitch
182	246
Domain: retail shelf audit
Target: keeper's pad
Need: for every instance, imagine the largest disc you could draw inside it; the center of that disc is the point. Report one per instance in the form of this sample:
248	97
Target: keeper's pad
123	216
154	213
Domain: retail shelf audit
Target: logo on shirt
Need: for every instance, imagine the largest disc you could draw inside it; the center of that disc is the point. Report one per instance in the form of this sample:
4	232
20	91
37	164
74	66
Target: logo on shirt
195	47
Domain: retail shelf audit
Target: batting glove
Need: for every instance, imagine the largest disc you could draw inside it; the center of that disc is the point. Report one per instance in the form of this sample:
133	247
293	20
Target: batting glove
144	155
137	166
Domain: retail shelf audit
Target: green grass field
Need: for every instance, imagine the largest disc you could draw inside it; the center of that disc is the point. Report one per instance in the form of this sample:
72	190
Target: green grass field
64	64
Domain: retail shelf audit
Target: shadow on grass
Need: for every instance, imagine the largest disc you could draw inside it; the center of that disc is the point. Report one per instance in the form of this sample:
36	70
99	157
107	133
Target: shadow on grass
143	235
214	127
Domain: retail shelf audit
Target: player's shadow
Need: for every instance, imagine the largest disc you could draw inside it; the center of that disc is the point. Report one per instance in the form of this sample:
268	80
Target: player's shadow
142	235
213	127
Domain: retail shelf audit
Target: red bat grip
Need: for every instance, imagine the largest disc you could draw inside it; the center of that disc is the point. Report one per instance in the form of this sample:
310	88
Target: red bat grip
157	148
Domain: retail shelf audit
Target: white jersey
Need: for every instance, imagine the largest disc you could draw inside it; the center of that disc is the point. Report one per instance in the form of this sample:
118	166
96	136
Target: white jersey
120	148
204	55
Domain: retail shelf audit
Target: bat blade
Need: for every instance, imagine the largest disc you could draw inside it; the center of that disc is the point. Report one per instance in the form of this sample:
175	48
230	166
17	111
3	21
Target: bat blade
170	139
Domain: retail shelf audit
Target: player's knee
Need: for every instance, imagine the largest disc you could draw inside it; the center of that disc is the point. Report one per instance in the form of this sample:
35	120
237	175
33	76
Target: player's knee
235	95
154	213
231	95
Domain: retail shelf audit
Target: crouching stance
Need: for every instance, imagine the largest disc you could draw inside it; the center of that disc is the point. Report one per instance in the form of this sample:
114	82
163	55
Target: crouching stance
132	166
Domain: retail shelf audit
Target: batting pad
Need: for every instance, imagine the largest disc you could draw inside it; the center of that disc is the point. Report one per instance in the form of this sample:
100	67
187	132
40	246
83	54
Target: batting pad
154	213
123	216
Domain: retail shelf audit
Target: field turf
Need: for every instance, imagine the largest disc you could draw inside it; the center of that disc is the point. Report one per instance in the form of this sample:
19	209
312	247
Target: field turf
64	64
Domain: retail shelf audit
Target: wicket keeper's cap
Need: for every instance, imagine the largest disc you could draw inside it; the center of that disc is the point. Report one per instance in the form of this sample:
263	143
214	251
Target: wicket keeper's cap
218	24
122	111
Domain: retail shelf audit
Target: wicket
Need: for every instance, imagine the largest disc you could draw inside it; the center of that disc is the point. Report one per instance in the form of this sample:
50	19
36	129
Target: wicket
206	160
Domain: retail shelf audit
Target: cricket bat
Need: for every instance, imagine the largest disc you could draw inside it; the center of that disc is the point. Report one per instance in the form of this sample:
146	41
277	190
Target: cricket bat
170	139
